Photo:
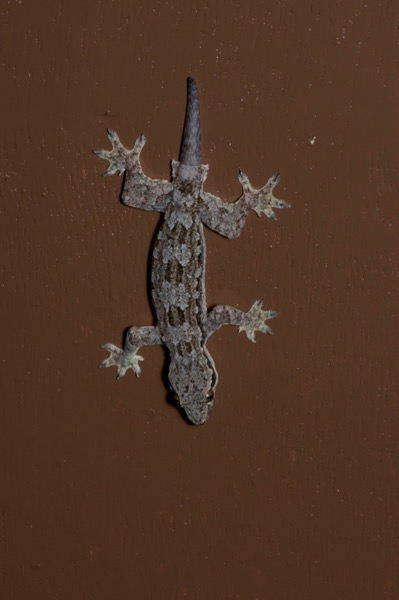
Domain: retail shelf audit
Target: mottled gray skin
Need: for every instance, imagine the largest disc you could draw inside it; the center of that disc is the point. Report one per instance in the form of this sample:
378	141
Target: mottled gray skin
178	263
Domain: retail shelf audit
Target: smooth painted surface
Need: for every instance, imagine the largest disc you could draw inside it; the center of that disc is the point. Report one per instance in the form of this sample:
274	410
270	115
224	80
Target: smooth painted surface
290	491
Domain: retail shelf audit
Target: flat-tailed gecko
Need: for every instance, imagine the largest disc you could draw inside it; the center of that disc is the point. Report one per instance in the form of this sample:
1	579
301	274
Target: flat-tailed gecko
184	323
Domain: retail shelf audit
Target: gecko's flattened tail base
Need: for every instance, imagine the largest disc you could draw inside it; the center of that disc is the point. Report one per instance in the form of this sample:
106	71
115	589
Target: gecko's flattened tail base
190	151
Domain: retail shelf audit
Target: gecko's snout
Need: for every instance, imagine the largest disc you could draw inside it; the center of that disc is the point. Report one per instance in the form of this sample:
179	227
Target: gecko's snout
197	412
195	405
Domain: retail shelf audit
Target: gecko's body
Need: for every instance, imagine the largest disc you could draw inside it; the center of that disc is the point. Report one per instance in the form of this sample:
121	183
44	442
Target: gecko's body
178	263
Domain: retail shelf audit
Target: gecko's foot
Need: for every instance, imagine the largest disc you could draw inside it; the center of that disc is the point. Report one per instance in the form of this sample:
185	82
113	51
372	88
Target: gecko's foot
255	320
122	359
263	201
120	158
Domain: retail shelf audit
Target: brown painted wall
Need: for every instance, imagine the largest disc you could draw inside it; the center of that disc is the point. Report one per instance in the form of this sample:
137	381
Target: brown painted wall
290	491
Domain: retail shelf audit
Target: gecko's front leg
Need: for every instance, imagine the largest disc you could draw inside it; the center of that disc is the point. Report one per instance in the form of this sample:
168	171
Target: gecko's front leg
251	321
128	358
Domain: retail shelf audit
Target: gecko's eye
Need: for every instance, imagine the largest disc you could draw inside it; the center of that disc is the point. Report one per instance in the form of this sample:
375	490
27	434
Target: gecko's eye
175	397
209	396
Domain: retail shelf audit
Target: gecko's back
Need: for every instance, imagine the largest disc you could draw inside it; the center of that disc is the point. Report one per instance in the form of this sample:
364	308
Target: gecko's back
178	273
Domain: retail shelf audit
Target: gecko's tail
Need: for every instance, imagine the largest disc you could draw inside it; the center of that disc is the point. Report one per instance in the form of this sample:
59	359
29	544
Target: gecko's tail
190	151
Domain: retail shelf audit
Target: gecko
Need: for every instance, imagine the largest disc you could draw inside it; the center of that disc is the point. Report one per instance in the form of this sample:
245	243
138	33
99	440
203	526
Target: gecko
183	321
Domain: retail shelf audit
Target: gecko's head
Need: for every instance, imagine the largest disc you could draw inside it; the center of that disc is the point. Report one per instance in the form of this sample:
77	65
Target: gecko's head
197	411
193	384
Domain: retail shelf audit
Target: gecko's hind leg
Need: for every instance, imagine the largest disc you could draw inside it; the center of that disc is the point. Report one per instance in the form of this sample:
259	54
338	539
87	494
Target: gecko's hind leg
128	358
251	321
262	200
120	158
